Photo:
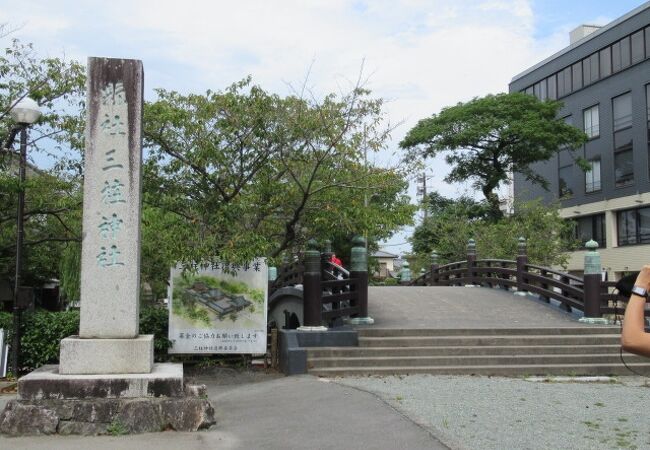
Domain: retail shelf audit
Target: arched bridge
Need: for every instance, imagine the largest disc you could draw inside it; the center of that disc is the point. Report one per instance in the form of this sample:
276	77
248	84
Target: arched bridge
316	292
477	316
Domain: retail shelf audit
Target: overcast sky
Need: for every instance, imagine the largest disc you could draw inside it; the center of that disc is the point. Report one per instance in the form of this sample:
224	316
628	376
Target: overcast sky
420	55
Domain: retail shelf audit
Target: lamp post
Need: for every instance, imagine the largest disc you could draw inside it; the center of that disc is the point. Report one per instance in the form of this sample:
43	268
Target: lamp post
24	113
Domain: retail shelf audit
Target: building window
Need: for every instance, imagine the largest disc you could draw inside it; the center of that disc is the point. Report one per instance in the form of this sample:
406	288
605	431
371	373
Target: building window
591	227
590	69
625	52
565	176
551	83
605	62
616	57
638	52
624	167
539	90
633	226
647	102
561	92
592	177
591	122
576	70
622	110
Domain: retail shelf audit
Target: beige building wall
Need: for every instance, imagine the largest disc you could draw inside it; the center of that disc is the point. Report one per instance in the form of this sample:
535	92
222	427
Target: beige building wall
614	259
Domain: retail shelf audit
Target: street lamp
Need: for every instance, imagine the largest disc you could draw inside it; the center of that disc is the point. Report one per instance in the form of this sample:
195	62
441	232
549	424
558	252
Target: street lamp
24	113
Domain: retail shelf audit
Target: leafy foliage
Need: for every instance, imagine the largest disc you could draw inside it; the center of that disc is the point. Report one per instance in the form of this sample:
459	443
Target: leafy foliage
243	173
53	196
488	138
447	232
156	321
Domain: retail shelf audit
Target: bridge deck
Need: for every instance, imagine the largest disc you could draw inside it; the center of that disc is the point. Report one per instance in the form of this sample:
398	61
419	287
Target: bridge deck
460	307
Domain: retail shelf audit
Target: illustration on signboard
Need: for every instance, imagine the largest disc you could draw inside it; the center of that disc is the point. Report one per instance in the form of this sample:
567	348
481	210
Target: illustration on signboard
219	309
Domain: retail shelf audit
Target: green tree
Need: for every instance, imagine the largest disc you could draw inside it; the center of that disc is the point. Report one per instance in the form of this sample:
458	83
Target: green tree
486	139
53	195
243	172
447	232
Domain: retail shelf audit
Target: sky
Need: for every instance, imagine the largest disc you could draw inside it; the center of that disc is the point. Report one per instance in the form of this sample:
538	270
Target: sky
419	55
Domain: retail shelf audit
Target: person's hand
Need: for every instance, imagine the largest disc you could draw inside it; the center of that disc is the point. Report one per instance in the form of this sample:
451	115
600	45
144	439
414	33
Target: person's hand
643	279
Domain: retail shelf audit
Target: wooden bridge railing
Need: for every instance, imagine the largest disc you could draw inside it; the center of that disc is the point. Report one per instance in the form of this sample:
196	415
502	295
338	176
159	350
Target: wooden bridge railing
588	294
330	292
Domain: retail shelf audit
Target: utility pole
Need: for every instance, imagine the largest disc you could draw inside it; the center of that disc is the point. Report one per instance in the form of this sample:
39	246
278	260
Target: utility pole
422	192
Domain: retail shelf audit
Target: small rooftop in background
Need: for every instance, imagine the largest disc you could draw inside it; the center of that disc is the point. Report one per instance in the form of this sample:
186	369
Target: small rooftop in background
383	254
582	31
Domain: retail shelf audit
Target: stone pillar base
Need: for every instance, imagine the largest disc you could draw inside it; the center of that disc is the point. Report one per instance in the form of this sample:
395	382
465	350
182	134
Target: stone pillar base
360	321
53	403
594	320
48	383
80	356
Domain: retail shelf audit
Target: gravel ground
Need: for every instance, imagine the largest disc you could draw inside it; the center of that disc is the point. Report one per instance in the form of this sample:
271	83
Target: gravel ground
484	413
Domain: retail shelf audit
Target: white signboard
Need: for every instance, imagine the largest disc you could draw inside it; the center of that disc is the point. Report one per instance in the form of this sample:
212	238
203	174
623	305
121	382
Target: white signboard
219	309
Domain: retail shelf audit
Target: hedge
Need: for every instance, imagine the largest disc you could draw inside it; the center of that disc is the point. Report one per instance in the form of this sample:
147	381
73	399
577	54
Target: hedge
42	331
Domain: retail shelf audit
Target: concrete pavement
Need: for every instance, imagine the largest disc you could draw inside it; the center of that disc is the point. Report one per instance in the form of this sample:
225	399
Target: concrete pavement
300	412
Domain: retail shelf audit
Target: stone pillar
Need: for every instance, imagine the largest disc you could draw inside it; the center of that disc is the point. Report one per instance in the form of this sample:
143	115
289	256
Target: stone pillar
522	260
359	271
592	285
109	340
106	375
312	306
433	277
471	262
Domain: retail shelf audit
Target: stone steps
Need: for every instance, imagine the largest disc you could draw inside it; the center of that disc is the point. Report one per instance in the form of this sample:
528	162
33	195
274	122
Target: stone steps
480	340
330	352
473	360
500	352
397	332
504	371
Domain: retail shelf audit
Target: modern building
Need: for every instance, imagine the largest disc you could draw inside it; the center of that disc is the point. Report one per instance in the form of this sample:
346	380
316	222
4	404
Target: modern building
603	79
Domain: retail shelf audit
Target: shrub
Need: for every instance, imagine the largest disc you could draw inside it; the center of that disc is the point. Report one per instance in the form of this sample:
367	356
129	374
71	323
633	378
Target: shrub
42	331
156	321
391	282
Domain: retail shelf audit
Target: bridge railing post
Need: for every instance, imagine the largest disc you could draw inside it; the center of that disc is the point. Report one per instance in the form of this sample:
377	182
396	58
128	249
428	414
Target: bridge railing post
325	257
312	291
522	261
433	276
471	262
359	272
592	285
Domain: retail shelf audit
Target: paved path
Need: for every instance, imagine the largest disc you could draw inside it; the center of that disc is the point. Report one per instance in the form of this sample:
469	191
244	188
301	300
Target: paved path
460	307
285	413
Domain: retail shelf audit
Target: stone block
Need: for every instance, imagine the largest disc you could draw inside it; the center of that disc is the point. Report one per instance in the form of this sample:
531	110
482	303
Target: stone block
140	416
19	419
187	414
165	380
83	428
106	416
196	390
106	356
